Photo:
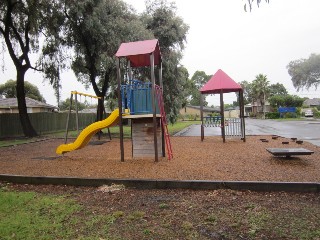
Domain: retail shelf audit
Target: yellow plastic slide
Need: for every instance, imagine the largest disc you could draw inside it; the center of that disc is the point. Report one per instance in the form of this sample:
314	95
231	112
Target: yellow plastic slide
86	134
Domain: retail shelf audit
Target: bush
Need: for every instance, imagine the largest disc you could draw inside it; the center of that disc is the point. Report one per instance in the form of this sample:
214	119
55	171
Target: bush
290	115
316	113
189	117
298	111
272	115
214	114
192	117
252	115
181	117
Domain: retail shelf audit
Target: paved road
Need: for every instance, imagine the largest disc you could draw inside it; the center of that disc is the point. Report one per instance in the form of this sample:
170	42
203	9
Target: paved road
308	130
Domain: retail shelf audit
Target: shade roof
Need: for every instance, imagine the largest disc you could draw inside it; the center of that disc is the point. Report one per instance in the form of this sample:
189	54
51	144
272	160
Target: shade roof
220	82
138	53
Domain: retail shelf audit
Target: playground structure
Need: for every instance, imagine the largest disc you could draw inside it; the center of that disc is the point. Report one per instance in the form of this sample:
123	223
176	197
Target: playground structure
86	134
221	83
141	102
75	94
150	137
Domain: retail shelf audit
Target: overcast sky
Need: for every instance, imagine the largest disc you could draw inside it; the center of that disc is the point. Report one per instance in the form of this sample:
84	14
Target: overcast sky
223	36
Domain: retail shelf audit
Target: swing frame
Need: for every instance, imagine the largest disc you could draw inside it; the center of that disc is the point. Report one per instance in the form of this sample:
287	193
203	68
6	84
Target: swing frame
76	93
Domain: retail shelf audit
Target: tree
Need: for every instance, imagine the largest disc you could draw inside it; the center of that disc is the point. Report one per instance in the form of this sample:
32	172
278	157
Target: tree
286	101
305	73
278	89
228	105
195	99
161	19
261	90
276	101
95	29
293	101
64	105
186	86
250	2
22	24
8	90
198	79
247	92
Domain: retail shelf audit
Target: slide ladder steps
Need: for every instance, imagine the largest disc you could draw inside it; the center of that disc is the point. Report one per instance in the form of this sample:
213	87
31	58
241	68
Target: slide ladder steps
164	123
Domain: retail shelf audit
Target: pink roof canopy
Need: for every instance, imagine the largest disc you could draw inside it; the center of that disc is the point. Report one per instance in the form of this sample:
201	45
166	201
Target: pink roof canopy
220	82
138	53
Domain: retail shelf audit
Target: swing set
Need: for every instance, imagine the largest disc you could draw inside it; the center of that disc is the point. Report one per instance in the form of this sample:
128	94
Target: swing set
75	94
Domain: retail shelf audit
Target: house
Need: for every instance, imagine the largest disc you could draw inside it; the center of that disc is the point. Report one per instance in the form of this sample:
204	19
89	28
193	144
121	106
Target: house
258	109
190	110
194	111
232	112
247	110
10	105
314	102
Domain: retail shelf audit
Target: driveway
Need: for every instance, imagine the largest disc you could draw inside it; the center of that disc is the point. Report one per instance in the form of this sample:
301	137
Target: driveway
307	130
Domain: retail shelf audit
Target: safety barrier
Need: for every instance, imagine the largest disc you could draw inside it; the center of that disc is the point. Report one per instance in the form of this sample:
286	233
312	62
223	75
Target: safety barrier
210	121
233	127
137	96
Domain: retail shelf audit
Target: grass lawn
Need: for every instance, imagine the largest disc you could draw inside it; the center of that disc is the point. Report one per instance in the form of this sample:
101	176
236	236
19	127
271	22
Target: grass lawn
87	213
16	141
295	119
28	215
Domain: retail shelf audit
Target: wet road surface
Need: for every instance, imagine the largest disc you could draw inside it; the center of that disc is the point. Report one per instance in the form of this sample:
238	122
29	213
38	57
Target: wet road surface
307	130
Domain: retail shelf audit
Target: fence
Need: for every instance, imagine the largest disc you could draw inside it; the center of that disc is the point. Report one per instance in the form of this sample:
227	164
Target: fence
211	121
233	127
43	122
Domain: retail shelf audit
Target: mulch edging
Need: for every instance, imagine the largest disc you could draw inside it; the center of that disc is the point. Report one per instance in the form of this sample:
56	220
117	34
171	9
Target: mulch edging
257	186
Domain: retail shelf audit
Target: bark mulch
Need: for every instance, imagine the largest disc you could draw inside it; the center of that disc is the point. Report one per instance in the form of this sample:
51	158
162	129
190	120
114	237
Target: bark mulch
193	160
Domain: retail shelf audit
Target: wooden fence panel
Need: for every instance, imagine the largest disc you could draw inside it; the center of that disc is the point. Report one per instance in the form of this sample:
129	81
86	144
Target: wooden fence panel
43	122
10	125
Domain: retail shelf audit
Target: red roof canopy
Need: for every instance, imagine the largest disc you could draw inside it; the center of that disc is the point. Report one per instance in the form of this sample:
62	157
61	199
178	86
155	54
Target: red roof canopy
138	53
220	82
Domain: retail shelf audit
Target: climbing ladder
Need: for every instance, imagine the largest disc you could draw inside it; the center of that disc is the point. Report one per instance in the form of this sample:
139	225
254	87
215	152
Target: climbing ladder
164	123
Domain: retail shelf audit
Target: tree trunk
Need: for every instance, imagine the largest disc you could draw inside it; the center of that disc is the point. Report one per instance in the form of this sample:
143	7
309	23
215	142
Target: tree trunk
100	109
27	127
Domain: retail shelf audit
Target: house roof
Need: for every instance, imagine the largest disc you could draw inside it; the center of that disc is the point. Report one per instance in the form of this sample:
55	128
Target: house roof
13	103
138	53
312	102
220	82
206	109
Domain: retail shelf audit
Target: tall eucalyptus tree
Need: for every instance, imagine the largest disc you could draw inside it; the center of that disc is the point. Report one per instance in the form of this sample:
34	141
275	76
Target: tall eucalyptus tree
161	18
305	73
23	26
95	30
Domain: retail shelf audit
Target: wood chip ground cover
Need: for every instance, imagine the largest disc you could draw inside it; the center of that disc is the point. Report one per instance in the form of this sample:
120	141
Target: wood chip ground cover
193	160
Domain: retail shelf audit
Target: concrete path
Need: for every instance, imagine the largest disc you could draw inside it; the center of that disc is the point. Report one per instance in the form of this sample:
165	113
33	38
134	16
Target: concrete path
308	130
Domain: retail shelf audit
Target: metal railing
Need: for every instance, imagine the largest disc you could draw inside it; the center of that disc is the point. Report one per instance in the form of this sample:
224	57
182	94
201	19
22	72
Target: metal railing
232	125
211	121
